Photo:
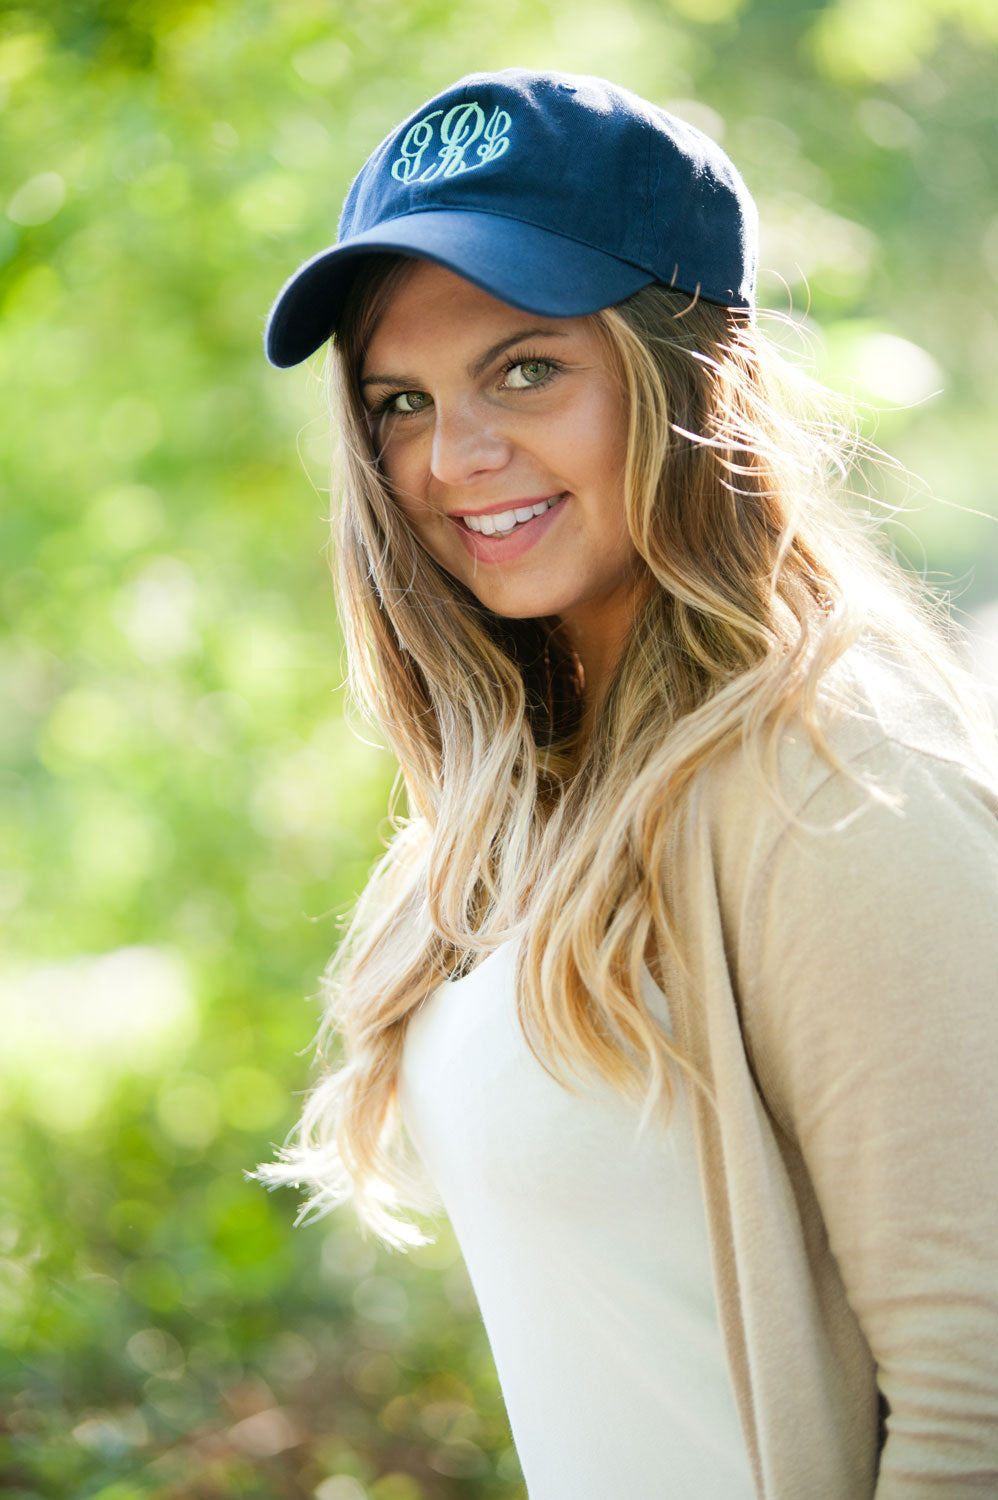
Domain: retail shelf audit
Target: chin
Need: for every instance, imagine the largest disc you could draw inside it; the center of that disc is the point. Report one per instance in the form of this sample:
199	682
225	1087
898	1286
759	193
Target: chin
519	609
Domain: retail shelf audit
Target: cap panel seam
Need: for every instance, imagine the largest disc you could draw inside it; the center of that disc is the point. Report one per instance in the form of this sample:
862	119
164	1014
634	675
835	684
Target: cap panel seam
578	166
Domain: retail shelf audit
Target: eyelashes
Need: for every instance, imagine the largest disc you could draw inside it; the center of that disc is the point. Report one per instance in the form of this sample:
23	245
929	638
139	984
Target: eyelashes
388	407
524	364
536	373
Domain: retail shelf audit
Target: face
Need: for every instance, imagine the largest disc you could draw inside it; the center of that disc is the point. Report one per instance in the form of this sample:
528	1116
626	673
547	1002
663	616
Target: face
503	436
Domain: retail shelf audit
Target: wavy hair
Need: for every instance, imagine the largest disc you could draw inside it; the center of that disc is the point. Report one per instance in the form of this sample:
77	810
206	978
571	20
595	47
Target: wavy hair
738	474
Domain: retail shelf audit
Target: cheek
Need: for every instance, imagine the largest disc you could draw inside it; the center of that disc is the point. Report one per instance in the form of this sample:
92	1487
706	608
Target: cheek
403	475
600	450
599	428
418	520
403	456
424	523
392	467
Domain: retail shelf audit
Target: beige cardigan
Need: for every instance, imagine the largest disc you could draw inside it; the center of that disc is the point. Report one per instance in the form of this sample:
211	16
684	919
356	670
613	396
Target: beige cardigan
843	1004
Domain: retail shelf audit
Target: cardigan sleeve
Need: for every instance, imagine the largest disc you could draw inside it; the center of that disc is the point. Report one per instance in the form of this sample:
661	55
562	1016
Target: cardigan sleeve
870	974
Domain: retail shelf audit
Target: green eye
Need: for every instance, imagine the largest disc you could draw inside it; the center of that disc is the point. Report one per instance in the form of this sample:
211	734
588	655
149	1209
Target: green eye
407	402
528	372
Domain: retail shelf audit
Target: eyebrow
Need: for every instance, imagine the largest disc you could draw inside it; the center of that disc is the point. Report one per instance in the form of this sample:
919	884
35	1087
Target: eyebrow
481	364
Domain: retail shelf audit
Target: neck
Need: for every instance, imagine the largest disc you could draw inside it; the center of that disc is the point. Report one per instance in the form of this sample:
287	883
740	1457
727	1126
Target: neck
596	669
597	643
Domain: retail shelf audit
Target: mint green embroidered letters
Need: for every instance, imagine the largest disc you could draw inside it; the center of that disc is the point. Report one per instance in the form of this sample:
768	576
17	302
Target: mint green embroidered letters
459	129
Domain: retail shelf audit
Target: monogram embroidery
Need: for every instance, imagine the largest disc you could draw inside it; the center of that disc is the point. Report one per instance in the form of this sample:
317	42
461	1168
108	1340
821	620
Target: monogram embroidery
459	129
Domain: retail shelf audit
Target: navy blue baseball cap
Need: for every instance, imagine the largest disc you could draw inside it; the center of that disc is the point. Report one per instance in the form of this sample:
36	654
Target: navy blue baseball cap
557	193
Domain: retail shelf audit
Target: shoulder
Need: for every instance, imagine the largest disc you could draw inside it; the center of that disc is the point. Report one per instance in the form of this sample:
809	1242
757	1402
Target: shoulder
910	777
869	916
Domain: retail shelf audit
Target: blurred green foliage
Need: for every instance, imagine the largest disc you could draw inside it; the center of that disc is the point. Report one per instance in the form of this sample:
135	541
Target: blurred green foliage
185	815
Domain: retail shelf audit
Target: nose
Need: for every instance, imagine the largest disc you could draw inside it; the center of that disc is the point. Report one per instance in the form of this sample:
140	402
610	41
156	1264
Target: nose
467	443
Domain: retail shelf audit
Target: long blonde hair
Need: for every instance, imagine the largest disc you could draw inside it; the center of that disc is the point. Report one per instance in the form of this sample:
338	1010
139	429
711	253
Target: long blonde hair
762	578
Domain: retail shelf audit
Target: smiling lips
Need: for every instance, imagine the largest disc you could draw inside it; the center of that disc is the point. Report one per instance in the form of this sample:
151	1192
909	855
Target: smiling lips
504	522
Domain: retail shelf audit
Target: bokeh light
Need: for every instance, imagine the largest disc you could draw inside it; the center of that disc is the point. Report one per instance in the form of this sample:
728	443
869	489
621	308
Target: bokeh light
185	815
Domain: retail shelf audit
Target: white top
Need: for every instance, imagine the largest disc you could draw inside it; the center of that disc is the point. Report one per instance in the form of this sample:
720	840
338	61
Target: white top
587	1248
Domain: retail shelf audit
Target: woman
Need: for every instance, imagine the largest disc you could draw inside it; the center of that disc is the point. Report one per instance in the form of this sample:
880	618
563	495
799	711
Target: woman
679	973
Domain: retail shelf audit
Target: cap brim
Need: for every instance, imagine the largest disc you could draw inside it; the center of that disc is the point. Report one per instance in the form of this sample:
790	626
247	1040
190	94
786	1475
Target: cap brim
534	269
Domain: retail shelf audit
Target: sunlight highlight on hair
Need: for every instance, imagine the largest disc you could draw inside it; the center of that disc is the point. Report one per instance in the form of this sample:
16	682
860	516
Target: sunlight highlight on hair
738	468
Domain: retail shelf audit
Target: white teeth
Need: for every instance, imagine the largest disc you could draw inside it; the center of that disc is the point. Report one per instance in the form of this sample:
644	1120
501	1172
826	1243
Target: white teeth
508	520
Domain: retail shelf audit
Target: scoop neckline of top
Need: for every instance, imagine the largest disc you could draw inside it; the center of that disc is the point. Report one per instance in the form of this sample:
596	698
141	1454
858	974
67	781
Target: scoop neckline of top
501	948
482	961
